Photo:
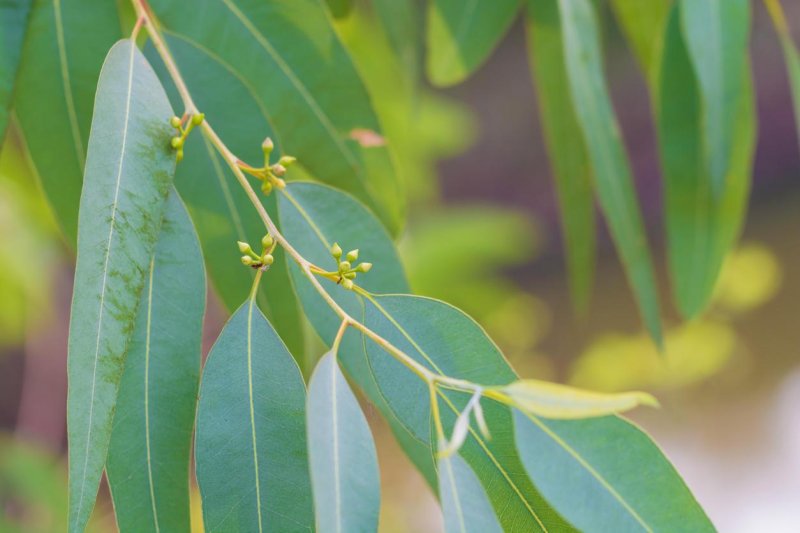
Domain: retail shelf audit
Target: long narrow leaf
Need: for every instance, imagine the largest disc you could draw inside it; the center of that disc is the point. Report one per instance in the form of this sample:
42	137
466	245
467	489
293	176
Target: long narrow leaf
250	449
148	459
567	151
464	503
643	24
790	55
129	172
13	23
612	173
344	464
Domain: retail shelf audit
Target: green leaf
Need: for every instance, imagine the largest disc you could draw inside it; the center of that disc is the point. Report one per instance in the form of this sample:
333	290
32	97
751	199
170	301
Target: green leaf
605	474
219	207
286	53
643	24
461	35
569	160
250	448
13	23
464	503
129	171
609	160
701	227
64	49
344	464
340	8
552	400
790	54
716	33
148	459
402	22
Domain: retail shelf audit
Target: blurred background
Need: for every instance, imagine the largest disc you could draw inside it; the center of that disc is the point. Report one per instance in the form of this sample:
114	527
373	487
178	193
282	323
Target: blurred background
483	234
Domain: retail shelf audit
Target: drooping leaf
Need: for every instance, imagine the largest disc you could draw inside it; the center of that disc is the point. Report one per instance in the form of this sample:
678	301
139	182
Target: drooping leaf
344	464
701	227
605	474
64	49
643	24
716	33
217	203
462	34
286	53
13	23
612	173
402	21
790	54
569	160
129	170
148	459
464	503
250	447
552	400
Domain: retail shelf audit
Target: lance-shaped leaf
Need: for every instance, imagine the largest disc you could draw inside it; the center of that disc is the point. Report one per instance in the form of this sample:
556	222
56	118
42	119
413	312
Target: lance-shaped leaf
250	448
609	160
286	53
220	209
148	459
64	49
790	55
643	24
129	172
605	474
13	22
402	22
344	464
462	34
716	33
568	157
552	400
465	506
701	227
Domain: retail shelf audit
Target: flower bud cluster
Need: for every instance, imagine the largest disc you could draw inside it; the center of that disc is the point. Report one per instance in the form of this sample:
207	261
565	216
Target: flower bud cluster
347	273
254	260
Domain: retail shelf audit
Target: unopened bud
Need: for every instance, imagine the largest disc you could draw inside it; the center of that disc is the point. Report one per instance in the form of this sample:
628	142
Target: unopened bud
267	241
244	247
287	161
180	155
349	275
344	266
267	146
175	122
279	183
266	187
364	267
347	284
336	251
247	260
352	255
278	169
198	119
268	259
176	142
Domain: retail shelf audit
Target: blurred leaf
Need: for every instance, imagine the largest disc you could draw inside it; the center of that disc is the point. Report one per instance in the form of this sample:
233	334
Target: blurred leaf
604	474
790	55
716	33
344	464
612	173
402	22
340	8
13	23
692	353
64	49
552	400
148	458
701	227
250	447
750	277
120	215
286	53
218	205
462	34
464	503
567	152
643	24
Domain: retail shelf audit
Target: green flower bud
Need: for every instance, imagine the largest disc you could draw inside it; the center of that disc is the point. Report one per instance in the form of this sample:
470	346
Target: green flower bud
267	146
347	284
279	183
198	119
364	267
267	259
336	251
352	255
287	160
180	155
176	142
344	266
267	241
244	247
247	260
279	170
175	122
349	275
266	187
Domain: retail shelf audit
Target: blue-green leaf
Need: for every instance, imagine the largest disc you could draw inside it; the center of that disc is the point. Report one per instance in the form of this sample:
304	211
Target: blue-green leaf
13	23
286	53
604	474
568	158
64	49
464	503
148	459
716	33
129	170
462	34
643	24
250	448
612	173
344	464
